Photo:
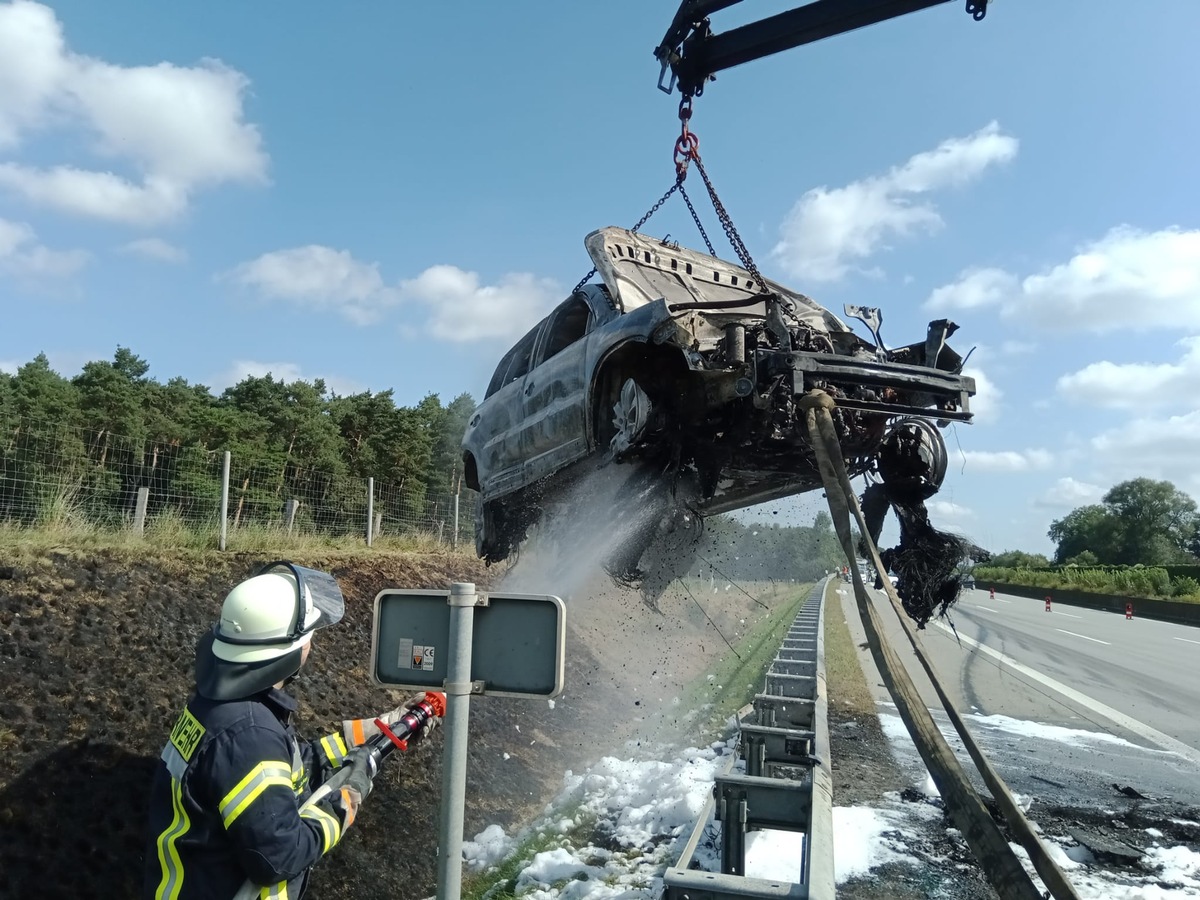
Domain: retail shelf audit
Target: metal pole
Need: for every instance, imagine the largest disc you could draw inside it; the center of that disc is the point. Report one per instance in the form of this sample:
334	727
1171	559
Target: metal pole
454	542
224	501
139	512
454	751
370	510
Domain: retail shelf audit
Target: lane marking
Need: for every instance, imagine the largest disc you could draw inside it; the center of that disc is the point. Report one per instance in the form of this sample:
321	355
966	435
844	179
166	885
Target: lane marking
989	609
1084	636
1068	615
1153	735
1188	641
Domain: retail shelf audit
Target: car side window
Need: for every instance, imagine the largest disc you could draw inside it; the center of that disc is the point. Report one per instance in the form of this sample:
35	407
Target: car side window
570	323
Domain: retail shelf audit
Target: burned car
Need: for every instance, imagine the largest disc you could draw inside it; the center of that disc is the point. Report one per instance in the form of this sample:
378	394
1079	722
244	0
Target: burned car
682	362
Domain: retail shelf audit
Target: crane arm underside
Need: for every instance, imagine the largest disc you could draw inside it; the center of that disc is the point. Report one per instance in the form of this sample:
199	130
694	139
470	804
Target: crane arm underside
694	53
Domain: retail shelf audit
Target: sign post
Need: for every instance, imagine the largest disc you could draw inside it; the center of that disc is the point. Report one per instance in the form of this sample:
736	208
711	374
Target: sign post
466	643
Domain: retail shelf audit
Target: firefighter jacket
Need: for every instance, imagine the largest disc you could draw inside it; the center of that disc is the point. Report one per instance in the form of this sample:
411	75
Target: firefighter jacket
225	802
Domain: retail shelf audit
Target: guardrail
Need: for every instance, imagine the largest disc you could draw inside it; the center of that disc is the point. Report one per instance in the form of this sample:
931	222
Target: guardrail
787	783
1180	612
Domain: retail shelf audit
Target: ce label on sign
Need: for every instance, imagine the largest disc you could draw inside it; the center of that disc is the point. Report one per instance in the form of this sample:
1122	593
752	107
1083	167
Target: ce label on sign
415	656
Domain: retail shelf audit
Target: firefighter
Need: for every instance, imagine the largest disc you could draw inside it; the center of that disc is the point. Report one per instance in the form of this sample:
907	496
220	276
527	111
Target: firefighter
225	799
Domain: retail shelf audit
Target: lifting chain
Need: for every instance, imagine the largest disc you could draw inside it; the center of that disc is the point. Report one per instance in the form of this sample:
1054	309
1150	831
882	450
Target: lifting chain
677	186
687	150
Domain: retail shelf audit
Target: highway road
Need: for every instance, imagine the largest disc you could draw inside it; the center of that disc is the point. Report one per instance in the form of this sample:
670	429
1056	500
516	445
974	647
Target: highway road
1067	702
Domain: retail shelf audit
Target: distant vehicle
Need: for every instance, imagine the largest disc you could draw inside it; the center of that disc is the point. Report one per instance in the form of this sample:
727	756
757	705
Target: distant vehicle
968	582
685	362
894	580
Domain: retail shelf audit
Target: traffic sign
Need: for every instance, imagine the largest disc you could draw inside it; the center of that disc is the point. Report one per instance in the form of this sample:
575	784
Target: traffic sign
516	647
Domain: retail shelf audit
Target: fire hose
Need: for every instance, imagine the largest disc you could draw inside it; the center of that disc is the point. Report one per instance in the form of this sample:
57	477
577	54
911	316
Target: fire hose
966	808
372	753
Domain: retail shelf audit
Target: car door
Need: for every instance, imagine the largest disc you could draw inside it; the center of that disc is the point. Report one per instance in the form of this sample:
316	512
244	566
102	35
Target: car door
555	392
496	430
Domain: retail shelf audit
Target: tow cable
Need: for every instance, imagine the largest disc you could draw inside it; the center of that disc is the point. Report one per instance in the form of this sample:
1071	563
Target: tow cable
966	807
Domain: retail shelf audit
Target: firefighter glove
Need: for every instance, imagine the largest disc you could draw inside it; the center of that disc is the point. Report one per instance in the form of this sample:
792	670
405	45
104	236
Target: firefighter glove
356	731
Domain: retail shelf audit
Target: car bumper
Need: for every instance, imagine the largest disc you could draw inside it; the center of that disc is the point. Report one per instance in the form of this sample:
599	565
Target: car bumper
926	387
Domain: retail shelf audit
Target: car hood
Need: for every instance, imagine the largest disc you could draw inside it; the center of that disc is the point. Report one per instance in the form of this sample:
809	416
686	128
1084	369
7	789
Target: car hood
638	270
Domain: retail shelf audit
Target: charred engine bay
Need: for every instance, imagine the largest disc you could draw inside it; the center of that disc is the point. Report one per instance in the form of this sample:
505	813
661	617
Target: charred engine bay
96	659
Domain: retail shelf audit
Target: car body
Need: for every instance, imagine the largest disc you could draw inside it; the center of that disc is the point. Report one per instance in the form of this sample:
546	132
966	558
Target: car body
683	359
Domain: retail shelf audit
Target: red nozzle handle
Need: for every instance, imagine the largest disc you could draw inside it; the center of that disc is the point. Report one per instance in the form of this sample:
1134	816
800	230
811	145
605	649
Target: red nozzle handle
437	700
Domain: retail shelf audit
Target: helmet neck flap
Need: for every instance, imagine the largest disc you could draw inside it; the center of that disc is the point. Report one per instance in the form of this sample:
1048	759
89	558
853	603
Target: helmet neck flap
220	679
266	622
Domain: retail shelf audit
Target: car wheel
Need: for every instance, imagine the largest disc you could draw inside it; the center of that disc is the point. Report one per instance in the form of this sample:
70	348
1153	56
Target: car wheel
631	416
491	540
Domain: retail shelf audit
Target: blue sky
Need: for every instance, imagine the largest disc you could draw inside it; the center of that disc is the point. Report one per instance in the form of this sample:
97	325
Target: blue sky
384	195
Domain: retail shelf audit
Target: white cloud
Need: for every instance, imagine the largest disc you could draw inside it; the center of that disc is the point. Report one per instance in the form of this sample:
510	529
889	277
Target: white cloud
948	510
1067	493
975	289
462	309
1129	279
176	129
1137	385
1152	447
986	403
830	231
157	249
459	307
1006	461
23	257
319	278
241	369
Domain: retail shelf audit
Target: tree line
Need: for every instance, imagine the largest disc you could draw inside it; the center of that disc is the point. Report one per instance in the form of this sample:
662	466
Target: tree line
737	551
112	429
1139	522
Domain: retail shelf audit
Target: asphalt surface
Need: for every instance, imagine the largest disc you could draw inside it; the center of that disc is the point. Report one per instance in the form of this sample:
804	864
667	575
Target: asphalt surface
1127	690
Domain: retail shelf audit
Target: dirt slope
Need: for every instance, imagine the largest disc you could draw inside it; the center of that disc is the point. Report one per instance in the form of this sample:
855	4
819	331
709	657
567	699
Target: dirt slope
96	656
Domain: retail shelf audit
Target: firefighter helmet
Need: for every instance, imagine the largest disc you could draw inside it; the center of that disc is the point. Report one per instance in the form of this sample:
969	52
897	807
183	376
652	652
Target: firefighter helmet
266	621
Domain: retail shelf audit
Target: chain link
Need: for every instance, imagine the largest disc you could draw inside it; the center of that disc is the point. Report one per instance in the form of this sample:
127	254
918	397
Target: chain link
696	218
731	232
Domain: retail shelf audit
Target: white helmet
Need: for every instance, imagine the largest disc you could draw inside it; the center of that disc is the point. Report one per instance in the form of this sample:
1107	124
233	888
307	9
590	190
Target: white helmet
265	623
260	619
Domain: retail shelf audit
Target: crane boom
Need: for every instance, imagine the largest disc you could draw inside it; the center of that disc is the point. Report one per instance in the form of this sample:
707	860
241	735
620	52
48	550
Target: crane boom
693	53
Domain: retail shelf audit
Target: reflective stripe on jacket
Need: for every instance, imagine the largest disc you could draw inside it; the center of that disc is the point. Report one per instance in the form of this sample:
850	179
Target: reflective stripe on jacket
225	802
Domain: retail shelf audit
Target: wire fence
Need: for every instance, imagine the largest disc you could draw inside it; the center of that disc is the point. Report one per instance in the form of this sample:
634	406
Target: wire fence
53	476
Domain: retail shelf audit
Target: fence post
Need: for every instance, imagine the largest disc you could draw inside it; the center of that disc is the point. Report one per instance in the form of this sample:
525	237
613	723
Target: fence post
290	514
139	512
454	543
378	525
370	511
224	501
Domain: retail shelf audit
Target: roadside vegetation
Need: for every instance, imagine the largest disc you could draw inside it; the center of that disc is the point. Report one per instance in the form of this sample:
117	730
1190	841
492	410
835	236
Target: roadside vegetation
1145	582
1142	540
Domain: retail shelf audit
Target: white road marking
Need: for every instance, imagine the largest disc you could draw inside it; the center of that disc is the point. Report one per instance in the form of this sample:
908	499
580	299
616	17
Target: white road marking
1127	722
1188	641
1084	636
998	600
989	609
1068	615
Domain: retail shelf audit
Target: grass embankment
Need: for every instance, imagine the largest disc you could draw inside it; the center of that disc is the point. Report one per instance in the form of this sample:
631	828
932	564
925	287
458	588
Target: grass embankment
735	677
171	534
845	683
